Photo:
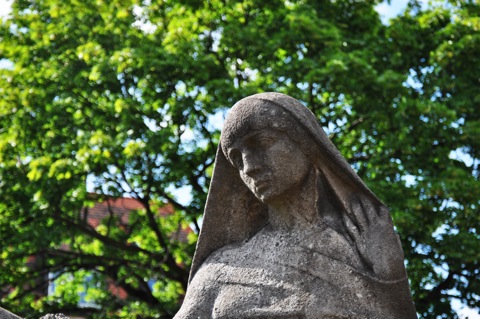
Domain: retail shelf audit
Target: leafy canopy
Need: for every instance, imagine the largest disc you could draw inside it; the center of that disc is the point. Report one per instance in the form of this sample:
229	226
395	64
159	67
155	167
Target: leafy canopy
124	97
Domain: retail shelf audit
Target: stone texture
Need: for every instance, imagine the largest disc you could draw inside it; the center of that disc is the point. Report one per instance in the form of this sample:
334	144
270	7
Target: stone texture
4	314
54	316
290	230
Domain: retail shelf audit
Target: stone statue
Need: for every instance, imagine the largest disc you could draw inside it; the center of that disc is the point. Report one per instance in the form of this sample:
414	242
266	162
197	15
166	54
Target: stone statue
5	314
290	230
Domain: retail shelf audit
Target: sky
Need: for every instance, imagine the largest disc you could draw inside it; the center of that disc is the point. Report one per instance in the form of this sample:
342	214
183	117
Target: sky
386	11
5	7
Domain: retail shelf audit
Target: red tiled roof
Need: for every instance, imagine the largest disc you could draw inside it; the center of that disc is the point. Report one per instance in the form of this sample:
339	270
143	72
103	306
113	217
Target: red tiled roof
122	208
119	207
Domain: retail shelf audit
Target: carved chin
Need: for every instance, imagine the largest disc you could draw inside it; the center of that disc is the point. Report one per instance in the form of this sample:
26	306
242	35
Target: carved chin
262	194
268	196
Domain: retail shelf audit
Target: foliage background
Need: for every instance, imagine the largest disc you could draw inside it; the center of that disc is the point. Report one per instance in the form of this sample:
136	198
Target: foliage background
126	96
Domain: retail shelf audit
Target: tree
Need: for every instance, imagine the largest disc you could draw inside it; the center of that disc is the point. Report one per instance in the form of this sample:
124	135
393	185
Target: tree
123	96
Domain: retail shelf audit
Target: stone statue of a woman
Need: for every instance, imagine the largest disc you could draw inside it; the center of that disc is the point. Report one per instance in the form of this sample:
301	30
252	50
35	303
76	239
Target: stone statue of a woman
290	230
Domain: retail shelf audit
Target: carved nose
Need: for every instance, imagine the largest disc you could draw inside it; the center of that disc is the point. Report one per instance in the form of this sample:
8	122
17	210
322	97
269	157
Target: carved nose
251	164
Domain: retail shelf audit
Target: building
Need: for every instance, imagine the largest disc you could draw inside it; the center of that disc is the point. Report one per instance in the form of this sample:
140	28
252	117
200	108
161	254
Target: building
120	210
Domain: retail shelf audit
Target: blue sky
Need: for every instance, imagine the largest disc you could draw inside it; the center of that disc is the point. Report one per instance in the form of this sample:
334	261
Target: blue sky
5	7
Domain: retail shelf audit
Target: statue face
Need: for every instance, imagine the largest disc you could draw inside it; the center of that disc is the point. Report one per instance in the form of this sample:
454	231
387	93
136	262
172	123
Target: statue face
270	163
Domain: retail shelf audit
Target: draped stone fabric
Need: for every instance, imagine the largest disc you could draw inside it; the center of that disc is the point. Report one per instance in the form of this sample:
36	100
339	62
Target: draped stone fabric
345	261
5	314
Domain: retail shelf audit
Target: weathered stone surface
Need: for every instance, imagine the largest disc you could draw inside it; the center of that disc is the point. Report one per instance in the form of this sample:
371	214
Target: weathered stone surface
290	230
5	314
54	316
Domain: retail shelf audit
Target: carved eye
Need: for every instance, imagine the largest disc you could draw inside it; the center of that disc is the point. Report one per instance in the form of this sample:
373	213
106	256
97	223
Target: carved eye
236	159
265	141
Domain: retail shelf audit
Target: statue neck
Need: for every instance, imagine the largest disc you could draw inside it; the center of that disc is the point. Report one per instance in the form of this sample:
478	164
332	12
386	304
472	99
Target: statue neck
296	209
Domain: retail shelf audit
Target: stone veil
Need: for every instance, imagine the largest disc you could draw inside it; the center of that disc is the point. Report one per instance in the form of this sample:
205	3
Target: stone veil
335	255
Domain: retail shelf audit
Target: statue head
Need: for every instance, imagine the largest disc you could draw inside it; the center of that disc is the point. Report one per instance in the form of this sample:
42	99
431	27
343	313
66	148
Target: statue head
268	147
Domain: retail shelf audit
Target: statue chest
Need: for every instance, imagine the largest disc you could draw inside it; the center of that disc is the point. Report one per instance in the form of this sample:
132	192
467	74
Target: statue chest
274	280
260	293
274	277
